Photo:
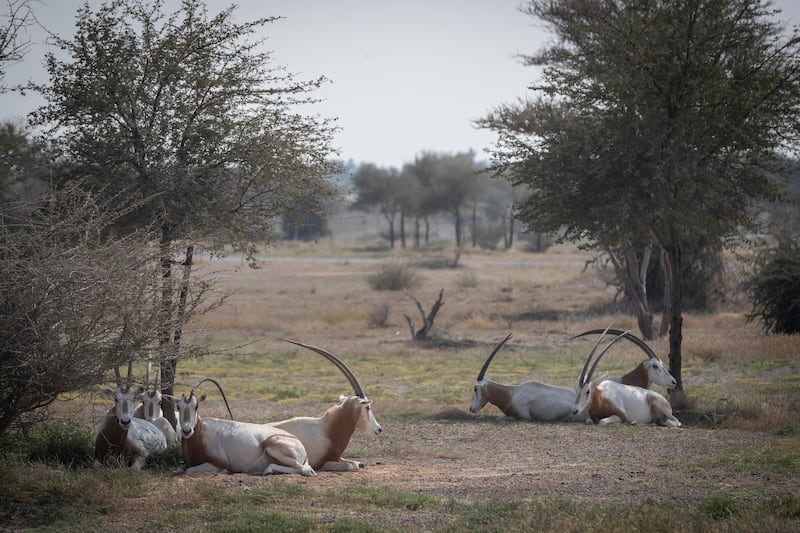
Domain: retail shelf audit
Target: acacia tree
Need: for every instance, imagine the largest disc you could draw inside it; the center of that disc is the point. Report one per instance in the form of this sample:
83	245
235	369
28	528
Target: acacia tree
16	18
654	121
187	109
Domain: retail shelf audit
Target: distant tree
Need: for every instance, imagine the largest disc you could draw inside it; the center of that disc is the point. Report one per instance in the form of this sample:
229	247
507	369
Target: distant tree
304	224
188	110
378	189
494	203
424	171
656	121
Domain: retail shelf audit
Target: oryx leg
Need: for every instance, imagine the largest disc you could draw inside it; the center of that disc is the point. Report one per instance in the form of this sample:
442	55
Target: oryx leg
613	419
345	465
205	468
289	455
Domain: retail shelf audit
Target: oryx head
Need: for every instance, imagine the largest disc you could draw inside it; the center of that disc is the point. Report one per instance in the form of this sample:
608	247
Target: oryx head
656	371
478	398
124	398
366	418
187	408
187	413
585	382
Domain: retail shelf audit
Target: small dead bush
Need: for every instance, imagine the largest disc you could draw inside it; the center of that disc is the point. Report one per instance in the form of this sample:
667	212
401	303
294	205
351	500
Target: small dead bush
393	277
378	316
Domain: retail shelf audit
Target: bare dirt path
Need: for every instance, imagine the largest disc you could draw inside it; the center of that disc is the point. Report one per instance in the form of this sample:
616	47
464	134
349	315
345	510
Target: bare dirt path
472	461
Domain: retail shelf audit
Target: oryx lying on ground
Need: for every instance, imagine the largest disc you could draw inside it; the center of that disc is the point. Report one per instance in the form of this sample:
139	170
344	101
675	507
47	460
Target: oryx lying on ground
326	438
150	409
121	435
609	402
531	400
213	445
646	373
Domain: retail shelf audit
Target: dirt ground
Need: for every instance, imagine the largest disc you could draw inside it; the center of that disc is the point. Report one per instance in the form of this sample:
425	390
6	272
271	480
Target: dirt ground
451	456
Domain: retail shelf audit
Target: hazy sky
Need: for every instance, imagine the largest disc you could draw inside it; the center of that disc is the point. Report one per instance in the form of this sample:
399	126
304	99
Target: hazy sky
406	76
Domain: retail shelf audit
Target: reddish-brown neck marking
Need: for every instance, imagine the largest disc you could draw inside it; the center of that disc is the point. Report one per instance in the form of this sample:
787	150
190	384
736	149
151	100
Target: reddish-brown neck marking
339	423
500	396
194	447
637	377
111	437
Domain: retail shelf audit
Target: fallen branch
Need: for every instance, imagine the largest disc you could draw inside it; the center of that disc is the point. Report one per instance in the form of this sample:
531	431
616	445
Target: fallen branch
427	321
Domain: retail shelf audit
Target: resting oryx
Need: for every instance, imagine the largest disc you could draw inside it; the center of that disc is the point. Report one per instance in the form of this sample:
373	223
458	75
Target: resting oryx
150	409
530	400
326	437
213	445
647	372
121	435
609	402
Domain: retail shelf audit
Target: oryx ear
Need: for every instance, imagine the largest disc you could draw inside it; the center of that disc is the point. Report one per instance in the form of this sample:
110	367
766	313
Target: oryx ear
202	398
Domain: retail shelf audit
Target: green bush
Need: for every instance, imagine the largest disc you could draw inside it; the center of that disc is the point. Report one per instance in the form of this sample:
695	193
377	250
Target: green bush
774	287
64	443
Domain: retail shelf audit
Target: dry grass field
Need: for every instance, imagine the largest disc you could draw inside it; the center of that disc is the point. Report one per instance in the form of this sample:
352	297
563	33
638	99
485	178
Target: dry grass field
733	466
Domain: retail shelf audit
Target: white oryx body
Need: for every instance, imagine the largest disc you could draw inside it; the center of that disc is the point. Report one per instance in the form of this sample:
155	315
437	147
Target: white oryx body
121	435
213	445
610	402
531	400
326	437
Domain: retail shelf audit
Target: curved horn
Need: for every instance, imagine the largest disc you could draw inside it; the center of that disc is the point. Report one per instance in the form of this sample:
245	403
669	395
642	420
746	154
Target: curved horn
130	371
214	381
491	356
609	345
117	377
630	336
581	380
339	364
147	377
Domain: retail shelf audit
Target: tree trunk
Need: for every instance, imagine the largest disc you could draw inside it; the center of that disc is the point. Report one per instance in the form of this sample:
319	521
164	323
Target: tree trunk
676	309
416	232
390	221
165	346
666	315
457	213
511	232
168	405
427	231
403	230
474	223
504	221
634	276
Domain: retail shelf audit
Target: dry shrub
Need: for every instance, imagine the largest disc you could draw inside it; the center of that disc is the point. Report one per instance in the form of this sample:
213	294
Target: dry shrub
393	276
378	316
467	280
479	320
